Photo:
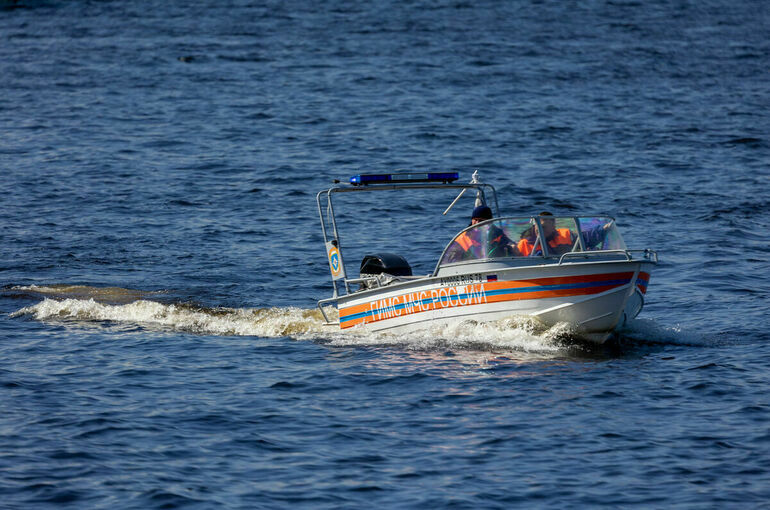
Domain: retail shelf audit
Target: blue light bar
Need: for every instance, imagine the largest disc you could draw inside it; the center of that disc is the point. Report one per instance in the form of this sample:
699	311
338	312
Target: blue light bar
365	179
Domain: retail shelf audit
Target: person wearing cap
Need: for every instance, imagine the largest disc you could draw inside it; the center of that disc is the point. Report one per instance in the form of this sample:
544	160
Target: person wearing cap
498	244
470	244
481	213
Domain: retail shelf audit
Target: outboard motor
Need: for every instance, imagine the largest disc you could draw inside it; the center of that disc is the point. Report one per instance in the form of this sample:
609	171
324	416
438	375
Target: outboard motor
389	263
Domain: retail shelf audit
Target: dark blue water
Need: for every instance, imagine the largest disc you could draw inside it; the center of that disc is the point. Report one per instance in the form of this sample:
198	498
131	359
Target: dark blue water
161	255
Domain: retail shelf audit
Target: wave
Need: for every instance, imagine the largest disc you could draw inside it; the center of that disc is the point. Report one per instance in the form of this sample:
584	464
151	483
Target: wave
102	294
650	331
131	307
518	333
269	322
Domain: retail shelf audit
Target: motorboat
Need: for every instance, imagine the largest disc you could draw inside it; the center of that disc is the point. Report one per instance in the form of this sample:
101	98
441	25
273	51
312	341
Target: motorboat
574	270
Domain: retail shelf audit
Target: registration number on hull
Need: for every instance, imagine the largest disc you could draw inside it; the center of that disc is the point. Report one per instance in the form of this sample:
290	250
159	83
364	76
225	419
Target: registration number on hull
462	279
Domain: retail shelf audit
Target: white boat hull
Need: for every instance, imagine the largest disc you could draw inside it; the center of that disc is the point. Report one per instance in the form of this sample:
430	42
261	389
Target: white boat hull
594	298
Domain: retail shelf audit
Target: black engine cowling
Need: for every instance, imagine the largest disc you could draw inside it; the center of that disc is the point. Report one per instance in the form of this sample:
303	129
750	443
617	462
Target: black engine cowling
389	263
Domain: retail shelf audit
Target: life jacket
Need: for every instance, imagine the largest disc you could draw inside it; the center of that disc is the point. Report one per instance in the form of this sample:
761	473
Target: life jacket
525	247
467	242
563	237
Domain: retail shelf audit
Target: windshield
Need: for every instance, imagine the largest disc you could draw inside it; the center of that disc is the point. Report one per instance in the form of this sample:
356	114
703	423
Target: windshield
523	237
600	233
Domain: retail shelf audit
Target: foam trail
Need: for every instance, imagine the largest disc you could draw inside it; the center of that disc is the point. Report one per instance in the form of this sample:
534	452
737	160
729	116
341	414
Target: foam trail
519	333
268	322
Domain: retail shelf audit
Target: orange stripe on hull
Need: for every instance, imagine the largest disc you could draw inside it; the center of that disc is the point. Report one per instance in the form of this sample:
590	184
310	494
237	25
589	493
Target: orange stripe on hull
479	293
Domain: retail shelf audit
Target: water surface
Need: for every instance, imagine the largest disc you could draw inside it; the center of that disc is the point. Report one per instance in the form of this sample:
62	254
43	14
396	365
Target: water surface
159	343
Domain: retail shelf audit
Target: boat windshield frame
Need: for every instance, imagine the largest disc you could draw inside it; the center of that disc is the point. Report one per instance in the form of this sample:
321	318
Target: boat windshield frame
330	232
541	252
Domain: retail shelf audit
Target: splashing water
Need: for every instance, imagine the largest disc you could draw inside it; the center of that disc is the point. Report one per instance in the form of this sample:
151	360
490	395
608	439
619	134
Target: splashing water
127	306
269	322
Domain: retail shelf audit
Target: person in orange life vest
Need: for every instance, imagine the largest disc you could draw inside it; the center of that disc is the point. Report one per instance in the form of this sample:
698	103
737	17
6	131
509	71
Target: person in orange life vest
469	245
560	240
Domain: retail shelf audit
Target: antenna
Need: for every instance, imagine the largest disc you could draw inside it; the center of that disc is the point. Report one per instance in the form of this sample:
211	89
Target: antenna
479	195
